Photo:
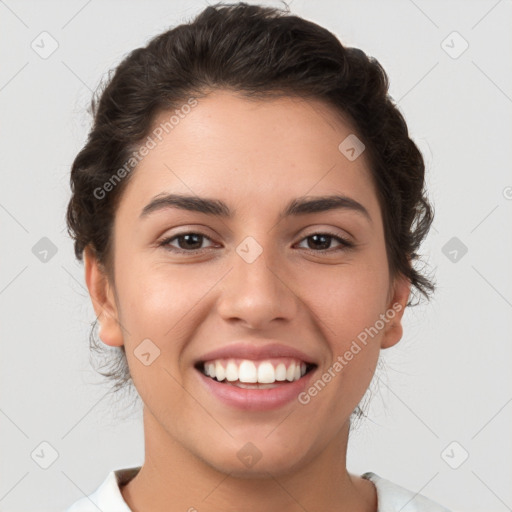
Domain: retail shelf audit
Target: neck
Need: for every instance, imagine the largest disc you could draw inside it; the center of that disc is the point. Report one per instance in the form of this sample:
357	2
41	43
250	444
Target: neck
172	479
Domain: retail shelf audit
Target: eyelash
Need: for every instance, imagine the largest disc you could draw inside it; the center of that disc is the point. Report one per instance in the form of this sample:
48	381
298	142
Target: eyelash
345	244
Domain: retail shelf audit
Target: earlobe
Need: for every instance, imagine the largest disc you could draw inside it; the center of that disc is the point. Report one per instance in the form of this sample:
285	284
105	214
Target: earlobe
396	307
103	300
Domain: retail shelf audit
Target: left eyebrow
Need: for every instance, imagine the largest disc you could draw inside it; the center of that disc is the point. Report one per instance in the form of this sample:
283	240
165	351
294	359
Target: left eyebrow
318	204
216	207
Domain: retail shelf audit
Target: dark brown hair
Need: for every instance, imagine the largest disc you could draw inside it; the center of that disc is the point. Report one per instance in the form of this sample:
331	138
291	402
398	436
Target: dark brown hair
260	52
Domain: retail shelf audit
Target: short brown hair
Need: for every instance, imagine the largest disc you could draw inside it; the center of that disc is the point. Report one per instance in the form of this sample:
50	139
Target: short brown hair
260	52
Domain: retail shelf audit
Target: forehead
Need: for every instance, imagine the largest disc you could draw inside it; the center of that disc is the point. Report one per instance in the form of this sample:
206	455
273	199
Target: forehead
235	148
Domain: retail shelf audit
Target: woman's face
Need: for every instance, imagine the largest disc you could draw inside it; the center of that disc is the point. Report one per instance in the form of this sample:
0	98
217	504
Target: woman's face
254	289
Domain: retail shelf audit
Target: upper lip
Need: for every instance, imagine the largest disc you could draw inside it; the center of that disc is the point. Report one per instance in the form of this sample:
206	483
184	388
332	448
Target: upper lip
256	352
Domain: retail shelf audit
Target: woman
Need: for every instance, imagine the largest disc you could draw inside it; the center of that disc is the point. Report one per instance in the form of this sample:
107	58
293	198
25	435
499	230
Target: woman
248	207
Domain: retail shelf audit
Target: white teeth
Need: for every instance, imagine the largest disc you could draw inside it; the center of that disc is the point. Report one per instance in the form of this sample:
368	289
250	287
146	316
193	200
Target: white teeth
231	371
290	373
247	372
281	372
210	369
266	373
253	372
220	373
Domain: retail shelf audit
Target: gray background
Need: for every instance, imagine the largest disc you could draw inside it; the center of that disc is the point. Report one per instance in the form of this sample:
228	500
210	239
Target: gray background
449	378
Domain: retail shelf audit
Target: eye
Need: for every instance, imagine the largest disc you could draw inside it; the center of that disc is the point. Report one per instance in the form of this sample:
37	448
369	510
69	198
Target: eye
192	242
187	242
322	241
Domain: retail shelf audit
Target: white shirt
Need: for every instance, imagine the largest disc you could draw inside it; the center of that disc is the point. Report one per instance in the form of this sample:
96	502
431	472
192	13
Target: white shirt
390	497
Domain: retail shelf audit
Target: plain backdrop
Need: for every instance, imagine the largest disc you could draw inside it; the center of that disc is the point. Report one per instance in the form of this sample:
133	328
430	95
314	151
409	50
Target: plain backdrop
440	420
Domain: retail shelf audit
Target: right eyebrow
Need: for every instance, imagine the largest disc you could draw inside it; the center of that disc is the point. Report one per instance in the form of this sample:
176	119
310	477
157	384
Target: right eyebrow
191	203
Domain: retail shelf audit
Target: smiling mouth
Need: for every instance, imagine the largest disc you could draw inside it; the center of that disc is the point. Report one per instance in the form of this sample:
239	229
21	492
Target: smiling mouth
250	374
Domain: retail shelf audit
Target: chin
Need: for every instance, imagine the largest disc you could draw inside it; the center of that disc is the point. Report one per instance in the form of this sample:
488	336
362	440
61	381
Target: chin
253	463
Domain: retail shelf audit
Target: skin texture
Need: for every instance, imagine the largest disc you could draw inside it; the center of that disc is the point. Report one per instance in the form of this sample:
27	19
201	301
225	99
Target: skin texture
256	156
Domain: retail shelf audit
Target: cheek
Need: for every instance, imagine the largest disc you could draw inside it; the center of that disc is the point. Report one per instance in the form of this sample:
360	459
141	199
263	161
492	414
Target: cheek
346	299
155	311
159	299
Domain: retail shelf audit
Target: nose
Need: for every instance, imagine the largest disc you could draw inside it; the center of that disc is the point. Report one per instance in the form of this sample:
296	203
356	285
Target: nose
257	293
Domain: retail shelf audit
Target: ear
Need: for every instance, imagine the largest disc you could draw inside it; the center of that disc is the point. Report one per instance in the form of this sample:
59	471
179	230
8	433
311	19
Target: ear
103	300
396	307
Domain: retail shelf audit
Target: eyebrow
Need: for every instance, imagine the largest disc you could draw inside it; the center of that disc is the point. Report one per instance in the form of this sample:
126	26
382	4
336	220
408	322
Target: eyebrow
218	208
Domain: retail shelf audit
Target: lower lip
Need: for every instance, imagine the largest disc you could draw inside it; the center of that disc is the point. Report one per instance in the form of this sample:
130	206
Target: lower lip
256	399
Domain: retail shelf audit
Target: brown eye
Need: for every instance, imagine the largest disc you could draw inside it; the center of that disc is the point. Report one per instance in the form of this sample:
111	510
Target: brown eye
186	242
319	242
